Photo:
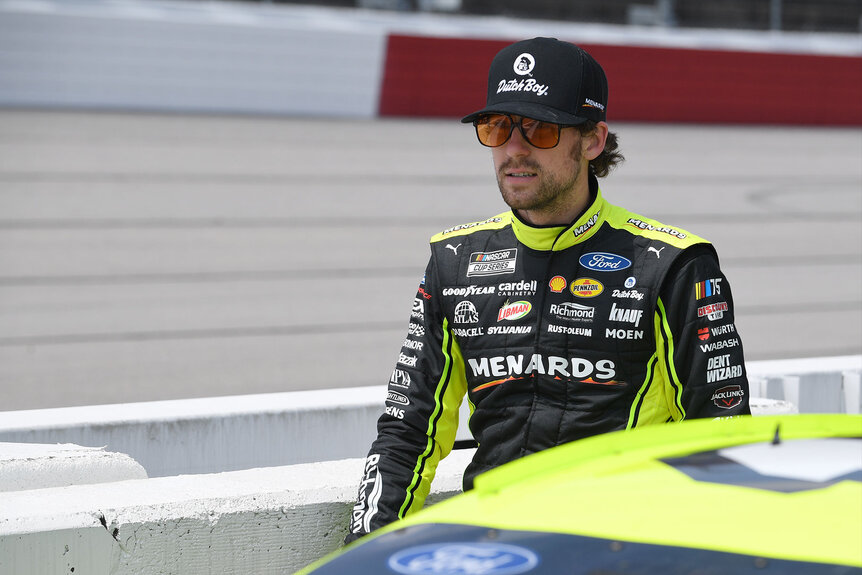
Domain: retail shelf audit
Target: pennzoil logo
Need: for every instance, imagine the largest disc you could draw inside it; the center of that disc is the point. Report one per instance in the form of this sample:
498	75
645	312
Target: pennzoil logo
586	287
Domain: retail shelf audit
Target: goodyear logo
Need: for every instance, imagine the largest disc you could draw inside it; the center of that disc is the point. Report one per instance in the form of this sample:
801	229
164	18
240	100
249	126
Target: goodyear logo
586	287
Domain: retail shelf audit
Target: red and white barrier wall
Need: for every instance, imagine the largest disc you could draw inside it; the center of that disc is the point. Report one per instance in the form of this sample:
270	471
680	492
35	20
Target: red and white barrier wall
447	77
300	60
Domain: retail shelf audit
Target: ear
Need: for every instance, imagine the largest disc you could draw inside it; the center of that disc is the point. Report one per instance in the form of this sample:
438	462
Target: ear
594	142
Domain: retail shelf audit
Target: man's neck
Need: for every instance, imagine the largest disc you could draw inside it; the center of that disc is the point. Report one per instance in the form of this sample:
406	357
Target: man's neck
565	214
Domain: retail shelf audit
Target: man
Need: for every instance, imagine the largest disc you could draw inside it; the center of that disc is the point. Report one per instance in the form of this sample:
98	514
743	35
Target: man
563	318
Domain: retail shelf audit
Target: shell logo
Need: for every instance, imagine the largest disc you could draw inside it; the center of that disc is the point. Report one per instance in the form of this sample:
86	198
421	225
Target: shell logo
586	287
557	284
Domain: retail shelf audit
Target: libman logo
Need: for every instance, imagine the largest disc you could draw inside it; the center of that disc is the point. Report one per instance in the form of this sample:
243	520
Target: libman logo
367	504
515	310
728	396
586	287
552	365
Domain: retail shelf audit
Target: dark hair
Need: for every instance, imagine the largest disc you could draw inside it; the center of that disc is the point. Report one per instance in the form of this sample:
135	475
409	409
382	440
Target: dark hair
610	156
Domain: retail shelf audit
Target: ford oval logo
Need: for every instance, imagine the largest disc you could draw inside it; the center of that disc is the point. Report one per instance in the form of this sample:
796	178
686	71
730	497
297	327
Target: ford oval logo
464	559
604	262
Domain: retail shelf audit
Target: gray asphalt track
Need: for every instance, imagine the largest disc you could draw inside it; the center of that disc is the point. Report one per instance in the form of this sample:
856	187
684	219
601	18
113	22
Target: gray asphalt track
148	257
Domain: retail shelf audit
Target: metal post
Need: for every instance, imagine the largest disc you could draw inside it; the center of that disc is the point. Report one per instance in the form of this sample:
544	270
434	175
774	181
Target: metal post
775	7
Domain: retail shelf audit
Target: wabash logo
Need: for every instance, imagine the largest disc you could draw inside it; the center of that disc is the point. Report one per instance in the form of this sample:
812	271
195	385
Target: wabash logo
728	396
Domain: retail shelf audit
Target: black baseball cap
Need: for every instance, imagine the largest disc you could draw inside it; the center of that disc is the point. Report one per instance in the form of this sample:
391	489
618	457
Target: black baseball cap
546	79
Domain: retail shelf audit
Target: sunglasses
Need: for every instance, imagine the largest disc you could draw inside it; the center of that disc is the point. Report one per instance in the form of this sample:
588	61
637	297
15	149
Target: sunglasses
495	130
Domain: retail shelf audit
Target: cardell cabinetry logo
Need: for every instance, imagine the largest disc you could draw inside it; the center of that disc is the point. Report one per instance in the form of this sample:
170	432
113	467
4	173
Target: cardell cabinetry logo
464	559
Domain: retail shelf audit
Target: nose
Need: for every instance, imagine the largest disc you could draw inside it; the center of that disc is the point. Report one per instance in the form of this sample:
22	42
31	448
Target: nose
516	145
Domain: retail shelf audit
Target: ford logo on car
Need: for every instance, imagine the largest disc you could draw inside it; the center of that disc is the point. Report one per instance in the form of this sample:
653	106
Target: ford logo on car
478	558
604	262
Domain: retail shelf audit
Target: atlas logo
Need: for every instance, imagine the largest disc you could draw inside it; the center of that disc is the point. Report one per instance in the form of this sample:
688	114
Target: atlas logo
465	312
370	489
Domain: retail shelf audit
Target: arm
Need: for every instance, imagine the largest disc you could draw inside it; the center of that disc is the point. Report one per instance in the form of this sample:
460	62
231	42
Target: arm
417	428
700	348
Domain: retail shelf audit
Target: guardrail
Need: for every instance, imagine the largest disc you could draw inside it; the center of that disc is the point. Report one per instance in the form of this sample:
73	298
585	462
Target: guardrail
267	520
219	434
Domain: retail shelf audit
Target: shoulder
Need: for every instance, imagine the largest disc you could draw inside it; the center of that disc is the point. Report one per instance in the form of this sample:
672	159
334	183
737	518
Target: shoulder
651	229
497	222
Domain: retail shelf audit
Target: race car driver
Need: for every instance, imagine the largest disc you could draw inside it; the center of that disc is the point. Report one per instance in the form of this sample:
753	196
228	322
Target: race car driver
560	319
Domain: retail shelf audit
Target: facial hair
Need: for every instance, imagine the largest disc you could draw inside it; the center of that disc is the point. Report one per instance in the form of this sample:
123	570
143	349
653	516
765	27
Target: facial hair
553	193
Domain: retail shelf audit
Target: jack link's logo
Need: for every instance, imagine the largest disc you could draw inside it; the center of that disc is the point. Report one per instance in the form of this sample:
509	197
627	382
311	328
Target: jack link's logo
367	503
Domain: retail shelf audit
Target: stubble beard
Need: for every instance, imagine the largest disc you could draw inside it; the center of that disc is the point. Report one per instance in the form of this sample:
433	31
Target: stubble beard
553	194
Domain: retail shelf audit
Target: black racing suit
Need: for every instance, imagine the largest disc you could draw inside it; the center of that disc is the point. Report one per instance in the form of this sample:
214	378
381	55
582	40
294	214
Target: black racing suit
554	334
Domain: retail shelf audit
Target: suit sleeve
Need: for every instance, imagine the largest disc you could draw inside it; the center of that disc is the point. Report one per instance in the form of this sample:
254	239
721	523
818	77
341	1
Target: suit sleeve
418	425
699	344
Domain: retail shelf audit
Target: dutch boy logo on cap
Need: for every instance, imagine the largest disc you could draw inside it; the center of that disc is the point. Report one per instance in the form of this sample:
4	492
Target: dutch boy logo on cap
524	64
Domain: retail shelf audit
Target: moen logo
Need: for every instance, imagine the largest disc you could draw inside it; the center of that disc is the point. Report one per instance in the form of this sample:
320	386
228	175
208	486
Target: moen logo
513	311
586	287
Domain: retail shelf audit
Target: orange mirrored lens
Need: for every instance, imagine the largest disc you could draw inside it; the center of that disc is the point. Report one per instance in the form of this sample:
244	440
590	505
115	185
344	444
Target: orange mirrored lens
540	134
496	129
